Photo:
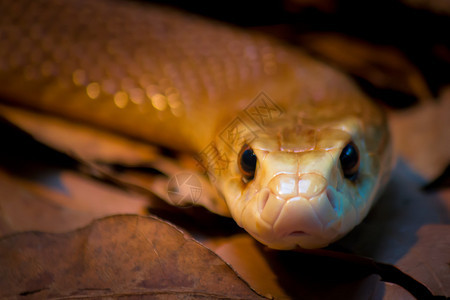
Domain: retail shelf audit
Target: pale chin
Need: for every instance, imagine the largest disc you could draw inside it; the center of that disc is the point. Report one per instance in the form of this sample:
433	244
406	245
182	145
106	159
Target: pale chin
316	236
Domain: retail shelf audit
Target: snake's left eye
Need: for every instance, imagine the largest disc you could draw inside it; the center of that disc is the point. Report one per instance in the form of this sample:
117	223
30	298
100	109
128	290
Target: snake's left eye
247	162
350	161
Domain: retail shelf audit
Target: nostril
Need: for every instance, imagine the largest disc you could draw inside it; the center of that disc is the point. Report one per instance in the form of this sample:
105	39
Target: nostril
263	197
298	233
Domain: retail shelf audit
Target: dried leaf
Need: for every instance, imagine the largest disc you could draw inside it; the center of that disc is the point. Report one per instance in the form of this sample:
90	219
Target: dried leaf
395	292
81	141
68	202
99	150
390	230
317	274
245	256
290	275
172	186
382	66
439	7
429	259
440	182
421	135
121	256
277	275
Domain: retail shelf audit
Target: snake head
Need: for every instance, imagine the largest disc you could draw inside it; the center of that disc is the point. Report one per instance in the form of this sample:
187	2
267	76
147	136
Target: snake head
305	184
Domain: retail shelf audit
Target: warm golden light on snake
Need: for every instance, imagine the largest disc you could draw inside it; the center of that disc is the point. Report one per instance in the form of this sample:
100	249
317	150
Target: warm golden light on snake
304	163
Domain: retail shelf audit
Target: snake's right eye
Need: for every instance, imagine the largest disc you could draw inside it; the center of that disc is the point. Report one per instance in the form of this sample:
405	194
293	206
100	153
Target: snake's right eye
247	162
350	161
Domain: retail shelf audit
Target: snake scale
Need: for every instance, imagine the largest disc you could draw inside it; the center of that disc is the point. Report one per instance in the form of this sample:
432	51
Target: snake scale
297	152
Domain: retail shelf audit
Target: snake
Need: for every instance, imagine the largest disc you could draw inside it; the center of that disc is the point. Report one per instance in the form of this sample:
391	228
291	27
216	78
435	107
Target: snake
295	149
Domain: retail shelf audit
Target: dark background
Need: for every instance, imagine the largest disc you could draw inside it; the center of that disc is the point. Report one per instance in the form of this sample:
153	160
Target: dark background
417	29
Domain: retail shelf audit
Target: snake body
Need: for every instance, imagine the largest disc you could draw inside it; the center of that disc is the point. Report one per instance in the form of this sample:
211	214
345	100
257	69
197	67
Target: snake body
195	85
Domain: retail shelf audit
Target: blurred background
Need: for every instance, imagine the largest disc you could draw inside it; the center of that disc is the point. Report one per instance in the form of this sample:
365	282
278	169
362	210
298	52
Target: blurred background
399	51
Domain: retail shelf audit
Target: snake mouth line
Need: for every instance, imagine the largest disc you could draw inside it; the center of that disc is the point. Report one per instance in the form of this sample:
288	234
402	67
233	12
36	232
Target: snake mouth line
297	233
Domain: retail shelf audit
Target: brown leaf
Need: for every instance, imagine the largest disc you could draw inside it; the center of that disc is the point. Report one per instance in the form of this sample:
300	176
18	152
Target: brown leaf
429	260
70	202
81	141
99	149
289	275
439	7
390	230
243	254
395	292
382	66
421	135
164	185
121	256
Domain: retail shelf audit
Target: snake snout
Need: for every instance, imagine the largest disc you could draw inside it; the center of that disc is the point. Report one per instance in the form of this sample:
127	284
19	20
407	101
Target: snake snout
286	204
294	209
306	185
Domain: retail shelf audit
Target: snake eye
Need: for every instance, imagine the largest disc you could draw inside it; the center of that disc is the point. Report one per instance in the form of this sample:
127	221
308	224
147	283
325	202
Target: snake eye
350	161
247	162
